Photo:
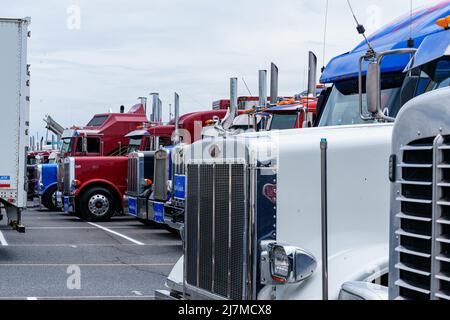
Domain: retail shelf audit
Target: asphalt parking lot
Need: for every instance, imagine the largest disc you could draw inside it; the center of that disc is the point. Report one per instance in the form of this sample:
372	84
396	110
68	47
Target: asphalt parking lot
63	257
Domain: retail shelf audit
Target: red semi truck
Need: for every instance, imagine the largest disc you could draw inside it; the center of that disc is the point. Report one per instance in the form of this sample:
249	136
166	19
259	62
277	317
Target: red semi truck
94	186
104	135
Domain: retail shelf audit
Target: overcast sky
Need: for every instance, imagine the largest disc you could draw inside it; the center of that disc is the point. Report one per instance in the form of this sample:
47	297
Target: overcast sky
90	56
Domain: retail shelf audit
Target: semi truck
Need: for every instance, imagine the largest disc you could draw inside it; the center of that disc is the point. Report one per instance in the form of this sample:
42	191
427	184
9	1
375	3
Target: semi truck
297	214
14	123
91	190
104	135
170	186
419	266
418	174
163	201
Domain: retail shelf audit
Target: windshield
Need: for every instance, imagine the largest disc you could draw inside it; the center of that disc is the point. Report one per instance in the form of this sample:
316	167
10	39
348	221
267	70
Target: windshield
442	73
134	145
342	107
97	121
283	121
66	145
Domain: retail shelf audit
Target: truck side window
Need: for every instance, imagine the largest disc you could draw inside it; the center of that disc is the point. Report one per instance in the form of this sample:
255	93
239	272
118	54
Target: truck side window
93	145
165	141
79	147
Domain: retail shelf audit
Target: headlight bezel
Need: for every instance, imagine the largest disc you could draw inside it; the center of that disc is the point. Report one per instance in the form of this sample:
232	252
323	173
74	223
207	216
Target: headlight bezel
284	264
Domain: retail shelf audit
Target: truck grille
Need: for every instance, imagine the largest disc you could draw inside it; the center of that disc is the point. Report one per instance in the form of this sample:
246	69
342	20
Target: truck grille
422	256
216	229
161	175
178	168
67	179
133	172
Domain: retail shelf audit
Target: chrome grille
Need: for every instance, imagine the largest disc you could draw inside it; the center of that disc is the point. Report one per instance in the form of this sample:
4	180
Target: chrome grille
422	257
216	229
440	285
60	175
133	171
161	175
67	179
178	168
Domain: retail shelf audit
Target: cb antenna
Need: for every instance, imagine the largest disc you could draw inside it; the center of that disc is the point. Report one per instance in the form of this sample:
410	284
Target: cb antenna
325	35
411	40
362	31
245	83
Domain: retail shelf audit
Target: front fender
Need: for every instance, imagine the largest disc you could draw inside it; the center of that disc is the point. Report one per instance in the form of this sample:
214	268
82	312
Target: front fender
175	279
89	183
48	187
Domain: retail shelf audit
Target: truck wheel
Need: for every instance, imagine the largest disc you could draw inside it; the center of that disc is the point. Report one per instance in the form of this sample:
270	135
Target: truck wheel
49	198
97	204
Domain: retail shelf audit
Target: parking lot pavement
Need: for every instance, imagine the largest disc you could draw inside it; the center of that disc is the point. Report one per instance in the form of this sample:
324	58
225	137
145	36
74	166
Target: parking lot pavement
63	257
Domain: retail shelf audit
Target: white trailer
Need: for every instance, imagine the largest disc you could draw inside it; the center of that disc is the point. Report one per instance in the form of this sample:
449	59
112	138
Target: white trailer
14	120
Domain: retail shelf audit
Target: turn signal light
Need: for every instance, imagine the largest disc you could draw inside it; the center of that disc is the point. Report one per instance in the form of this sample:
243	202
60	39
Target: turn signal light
444	22
76	183
209	122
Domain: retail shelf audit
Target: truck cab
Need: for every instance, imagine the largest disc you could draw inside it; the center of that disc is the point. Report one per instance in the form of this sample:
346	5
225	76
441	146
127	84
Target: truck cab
104	135
296	214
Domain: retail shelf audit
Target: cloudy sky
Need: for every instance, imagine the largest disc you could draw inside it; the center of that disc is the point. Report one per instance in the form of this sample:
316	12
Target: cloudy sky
90	56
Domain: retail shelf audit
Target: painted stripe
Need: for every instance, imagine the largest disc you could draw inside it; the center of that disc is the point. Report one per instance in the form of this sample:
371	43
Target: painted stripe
87	264
3	241
74	228
117	234
161	244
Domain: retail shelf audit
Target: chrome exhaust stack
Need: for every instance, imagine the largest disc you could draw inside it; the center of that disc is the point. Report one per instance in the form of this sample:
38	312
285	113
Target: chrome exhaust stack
312	75
273	84
143	101
262	89
155	107
176	136
232	111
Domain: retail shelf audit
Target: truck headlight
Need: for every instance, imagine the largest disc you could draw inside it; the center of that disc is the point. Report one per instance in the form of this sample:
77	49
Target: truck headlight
290	264
76	183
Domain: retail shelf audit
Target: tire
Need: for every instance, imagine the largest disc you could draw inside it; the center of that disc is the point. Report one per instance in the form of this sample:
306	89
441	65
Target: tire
97	204
49	198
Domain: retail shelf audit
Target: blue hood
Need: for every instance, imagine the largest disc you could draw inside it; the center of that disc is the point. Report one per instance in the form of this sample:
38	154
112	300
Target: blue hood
393	36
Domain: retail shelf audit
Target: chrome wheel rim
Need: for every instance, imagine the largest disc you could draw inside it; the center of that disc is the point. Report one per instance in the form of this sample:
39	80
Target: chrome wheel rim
54	201
98	205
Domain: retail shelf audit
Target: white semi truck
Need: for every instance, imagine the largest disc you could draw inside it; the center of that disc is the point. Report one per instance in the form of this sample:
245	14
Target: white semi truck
302	214
14	120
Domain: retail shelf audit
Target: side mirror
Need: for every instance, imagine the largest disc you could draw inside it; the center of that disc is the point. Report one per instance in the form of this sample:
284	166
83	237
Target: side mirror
373	90
373	83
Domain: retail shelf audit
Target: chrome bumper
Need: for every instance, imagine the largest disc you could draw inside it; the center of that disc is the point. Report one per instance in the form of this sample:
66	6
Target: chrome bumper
170	217
141	207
